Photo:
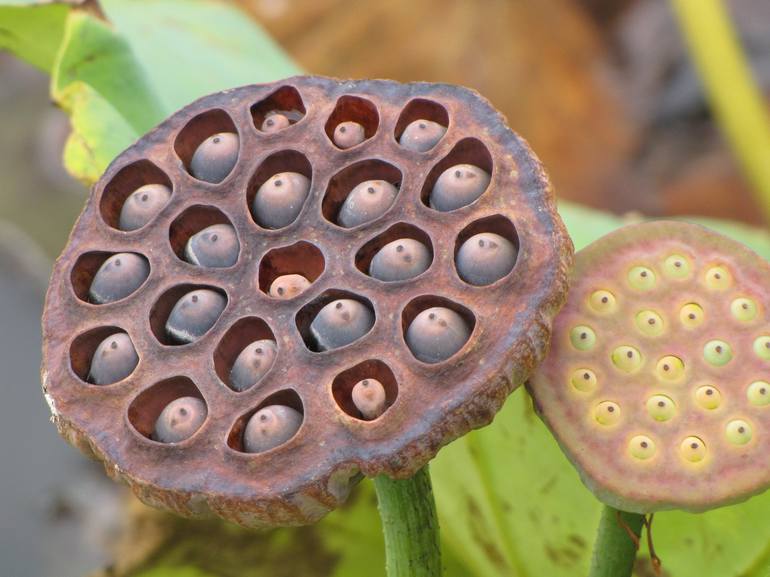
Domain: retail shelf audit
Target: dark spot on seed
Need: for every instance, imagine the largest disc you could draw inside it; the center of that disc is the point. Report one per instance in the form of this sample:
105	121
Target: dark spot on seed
694	445
717	276
709	392
114	345
194	298
583	336
280	290
610	409
422	126
651	321
432	316
741	429
279	182
665	367
661	403
371	190
145	197
630	354
744	306
643	274
718	349
586	376
400	248
643	444
605	300
343	129
677	264
338	306
691	316
216	140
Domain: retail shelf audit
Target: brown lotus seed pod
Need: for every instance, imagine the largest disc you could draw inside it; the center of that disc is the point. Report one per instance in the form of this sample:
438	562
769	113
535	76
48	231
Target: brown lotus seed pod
252	364
271	427
485	258
119	276
369	398
400	259
215	246
682	365
319	355
194	314
366	202
288	286
179	420
142	205
114	359
215	158
436	334
348	134
458	186
280	199
421	135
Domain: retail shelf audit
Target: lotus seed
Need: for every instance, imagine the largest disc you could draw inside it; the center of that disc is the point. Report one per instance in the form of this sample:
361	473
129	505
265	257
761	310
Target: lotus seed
369	398
758	393
275	121
641	447
627	358
584	380
661	407
743	309
603	302
641	278
708	397
280	199
762	347
179	420
649	323
691	315
114	359
270	427
436	334
421	135
582	337
485	258
400	259
215	246
252	364
215	157
693	449
458	186
194	314
119	276
288	286
340	323
348	134
670	368
367	201
738	432
142	206
607	413
676	266
718	278
717	353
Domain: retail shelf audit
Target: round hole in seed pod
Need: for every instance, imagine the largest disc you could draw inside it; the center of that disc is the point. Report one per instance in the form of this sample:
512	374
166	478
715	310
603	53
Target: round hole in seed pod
245	354
204	236
208	146
421	125
286	272
436	328
272	424
334	319
103	356
365	391
353	120
279	189
184	313
135	195
182	419
459	179
282	108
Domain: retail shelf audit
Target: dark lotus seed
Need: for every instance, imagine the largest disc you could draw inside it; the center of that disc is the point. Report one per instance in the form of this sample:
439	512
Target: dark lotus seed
270	427
367	201
340	323
401	259
275	121
142	205
194	314
215	157
369	398
486	258
279	200
436	334
421	135
114	359
252	364
179	420
288	286
118	277
348	134
458	186
215	246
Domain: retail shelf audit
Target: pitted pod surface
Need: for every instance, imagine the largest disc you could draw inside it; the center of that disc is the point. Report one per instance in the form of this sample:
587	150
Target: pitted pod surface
656	382
310	300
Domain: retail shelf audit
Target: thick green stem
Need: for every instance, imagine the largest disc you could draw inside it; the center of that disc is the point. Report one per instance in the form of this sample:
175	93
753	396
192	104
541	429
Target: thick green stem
410	525
614	549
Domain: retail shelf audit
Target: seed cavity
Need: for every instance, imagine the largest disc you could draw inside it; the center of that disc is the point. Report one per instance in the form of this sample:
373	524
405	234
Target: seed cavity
718	278
582	337
717	353
743	309
649	323
603	302
607	413
661	408
641	447
691	315
693	449
758	393
762	347
708	397
670	368
641	278
627	358
676	266
738	432
584	380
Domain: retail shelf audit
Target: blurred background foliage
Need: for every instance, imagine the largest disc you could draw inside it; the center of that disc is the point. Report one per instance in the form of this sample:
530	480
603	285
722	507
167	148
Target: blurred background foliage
602	89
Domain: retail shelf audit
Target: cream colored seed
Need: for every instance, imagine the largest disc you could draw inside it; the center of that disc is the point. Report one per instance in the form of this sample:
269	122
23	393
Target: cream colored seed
693	449
670	368
627	358
738	432
641	278
602	302
758	393
718	278
691	315
582	337
649	323
661	408
584	380
641	447
762	347
676	266
743	309
708	397
607	413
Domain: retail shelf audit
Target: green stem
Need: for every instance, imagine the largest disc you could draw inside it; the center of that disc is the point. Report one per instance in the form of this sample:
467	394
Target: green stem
615	550
737	102
410	525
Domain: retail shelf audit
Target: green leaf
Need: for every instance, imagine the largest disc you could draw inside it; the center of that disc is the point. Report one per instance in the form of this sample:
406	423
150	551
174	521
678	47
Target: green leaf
32	33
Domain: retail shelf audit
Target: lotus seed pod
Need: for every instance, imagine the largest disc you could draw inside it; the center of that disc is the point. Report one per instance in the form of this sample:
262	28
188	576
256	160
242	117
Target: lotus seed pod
119	276
348	134
458	186
179	420
369	398
252	364
421	135
288	286
271	427
114	359
142	205
367	201
436	334
215	246
485	258
280	199
400	259
656	384
215	157
340	323
194	314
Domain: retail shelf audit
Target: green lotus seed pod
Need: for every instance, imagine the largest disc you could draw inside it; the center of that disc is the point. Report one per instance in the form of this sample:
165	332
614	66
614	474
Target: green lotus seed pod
718	278
744	309
179	420
738	432
215	158
693	449
670	368
142	205
271	427
708	397
119	276
421	135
